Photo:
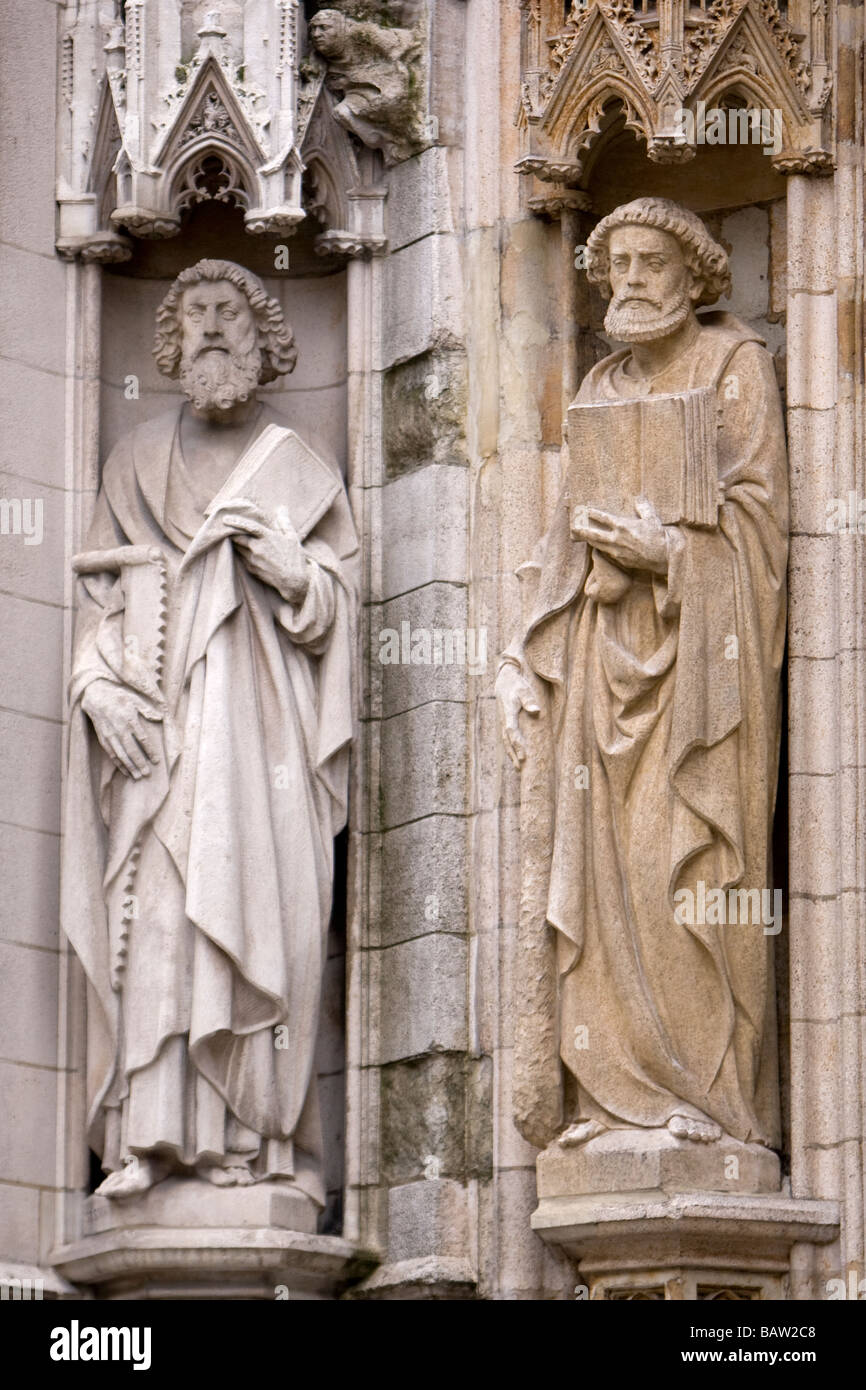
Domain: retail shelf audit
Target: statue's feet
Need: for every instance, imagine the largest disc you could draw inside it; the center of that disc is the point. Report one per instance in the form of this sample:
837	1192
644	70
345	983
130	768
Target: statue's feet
136	1176
699	1131
581	1133
237	1175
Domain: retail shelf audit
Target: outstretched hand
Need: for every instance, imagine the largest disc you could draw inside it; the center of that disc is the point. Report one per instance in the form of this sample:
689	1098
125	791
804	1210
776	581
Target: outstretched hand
513	694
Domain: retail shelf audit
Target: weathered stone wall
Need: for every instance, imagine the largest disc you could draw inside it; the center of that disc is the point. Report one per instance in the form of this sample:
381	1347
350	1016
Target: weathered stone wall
426	1097
438	374
826	439
38	371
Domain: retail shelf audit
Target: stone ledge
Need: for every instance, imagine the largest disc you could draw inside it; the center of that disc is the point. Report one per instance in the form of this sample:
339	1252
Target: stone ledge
144	1262
642	1231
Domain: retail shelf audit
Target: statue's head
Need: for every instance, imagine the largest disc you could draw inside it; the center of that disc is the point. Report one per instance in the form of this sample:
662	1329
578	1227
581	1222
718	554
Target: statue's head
222	335
327	30
658	263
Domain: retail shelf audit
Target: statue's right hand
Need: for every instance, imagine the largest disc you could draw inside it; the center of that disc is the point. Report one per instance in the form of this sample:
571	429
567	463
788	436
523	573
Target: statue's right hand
118	717
513	694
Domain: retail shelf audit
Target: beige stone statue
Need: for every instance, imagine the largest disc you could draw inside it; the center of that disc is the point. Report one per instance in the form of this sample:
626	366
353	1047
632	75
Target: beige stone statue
642	702
374	71
210	726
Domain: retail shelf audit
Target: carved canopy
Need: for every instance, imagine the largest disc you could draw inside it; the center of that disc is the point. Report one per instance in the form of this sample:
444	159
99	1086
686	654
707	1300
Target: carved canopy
652	60
164	106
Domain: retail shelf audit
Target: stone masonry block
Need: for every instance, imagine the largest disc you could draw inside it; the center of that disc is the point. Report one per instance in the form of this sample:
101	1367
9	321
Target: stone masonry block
425	529
423	763
423	997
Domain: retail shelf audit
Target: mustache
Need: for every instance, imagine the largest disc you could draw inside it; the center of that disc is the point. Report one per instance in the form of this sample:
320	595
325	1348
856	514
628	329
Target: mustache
645	321
621	300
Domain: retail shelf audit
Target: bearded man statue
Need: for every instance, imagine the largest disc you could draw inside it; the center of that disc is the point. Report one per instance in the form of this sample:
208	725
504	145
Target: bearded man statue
648	666
211	717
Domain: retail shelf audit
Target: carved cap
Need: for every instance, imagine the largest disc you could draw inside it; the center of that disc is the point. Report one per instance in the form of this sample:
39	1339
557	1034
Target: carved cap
276	340
329	13
705	258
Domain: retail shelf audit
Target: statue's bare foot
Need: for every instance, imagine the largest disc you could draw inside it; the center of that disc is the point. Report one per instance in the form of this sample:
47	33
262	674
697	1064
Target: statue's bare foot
236	1176
699	1131
580	1133
136	1176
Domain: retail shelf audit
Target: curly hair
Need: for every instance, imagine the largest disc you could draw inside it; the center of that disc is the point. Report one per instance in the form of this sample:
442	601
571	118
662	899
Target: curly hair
276	340
705	258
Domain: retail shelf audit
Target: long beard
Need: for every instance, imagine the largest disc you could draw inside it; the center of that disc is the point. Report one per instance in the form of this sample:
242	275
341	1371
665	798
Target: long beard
646	322
218	380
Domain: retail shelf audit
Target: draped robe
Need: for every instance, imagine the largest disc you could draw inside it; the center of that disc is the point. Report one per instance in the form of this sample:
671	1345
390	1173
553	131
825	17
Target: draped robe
678	727
214	873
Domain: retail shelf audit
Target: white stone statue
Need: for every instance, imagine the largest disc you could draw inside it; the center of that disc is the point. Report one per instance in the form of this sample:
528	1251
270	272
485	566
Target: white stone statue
211	720
642	701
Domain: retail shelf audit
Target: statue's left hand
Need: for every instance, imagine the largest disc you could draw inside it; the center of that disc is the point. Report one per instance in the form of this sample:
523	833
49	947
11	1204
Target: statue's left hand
272	555
635	542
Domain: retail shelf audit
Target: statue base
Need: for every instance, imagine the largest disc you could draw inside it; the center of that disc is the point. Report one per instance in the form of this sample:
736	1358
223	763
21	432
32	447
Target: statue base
634	1160
645	1216
187	1239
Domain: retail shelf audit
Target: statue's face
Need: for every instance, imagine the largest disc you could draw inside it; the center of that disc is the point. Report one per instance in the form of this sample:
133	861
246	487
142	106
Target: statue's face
325	33
220	356
216	317
651	284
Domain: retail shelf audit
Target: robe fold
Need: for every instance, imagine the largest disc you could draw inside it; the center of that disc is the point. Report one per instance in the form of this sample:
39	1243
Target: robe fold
669	697
198	899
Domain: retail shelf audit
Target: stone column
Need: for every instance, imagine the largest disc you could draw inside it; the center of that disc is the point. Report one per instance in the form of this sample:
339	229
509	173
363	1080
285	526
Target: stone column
420	1085
41	373
826	429
516	290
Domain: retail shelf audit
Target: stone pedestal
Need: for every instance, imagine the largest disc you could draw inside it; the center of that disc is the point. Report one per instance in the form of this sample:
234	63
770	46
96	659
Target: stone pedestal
647	1216
186	1239
628	1160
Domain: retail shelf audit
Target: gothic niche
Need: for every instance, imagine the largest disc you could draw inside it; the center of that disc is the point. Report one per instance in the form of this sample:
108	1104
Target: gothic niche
164	107
612	99
665	62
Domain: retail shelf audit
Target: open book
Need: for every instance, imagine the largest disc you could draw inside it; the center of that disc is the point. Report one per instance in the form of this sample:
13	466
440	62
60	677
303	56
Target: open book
664	448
